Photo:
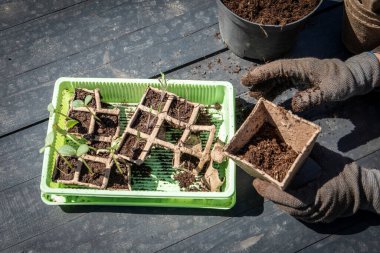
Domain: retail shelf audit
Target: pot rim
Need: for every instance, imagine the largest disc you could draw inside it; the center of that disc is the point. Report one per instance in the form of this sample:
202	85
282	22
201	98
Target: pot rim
263	25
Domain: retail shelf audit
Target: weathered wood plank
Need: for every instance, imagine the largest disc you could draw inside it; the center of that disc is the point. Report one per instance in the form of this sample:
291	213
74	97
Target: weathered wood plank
18	161
92	30
13	13
145	53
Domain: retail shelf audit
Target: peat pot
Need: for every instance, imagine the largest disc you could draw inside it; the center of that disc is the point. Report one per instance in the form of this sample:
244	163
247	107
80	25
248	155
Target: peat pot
257	41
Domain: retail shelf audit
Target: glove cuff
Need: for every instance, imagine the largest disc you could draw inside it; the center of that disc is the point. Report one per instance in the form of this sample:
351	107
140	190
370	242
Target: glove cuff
365	69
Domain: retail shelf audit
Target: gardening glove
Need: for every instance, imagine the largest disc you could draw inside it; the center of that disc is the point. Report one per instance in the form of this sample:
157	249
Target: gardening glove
338	192
320	81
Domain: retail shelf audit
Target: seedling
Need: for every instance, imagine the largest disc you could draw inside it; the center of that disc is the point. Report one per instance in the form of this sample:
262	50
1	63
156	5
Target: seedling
76	140
136	145
49	144
70	121
84	103
148	123
67	150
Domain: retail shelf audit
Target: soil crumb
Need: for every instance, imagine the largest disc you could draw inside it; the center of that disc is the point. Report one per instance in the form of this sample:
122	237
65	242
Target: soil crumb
268	152
184	178
271	12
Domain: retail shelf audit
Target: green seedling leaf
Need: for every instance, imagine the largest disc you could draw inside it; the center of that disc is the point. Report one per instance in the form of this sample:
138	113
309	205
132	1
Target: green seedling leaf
51	109
87	99
82	149
59	130
71	123
67	150
49	139
42	150
78	103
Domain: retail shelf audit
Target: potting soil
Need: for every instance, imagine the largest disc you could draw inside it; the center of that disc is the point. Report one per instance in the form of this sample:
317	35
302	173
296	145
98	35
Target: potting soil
271	12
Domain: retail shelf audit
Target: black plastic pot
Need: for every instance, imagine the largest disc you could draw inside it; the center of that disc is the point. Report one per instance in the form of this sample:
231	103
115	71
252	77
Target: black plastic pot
256	41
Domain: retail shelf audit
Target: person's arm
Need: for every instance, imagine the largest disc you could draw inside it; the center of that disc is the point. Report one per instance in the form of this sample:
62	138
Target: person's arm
377	56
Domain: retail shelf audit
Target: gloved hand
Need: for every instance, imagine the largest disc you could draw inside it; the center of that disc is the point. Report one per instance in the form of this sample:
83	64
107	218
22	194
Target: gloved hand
320	81
372	5
341	190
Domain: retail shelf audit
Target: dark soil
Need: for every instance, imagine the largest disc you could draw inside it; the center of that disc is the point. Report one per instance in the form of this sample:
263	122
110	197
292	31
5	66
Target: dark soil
204	118
98	169
141	171
268	152
99	145
154	99
68	174
179	110
168	132
189	162
81	95
271	12
141	122
184	178
129	149
84	119
108	125
118	180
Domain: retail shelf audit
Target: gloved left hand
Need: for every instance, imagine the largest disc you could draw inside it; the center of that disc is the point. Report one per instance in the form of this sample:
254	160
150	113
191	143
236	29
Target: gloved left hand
341	190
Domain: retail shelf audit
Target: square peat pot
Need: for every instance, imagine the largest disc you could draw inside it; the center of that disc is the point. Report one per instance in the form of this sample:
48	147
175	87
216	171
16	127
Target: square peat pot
296	132
160	190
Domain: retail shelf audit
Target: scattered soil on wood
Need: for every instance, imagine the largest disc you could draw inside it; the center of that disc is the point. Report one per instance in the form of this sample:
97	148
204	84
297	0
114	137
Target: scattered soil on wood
118	180
81	95
99	145
154	99
64	172
181	110
271	12
130	149
84	119
141	122
96	178
108	125
268	152
184	178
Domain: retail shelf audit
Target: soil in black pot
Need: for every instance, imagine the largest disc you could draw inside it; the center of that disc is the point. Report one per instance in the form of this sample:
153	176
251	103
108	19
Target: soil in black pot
108	124
83	118
117	179
64	172
271	12
181	110
141	122
129	147
81	95
96	178
99	145
155	100
269	152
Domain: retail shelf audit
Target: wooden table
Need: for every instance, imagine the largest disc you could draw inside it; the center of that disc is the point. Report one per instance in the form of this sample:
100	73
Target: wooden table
41	41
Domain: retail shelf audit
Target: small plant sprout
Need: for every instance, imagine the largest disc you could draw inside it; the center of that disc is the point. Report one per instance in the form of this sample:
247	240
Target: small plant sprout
49	144
72	122
136	145
114	146
148	123
84	103
67	150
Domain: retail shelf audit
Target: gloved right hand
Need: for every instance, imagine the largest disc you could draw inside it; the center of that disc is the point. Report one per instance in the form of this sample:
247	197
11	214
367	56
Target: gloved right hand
320	81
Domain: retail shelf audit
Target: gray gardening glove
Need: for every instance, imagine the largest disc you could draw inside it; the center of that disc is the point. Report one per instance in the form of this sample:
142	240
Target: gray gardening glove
338	192
320	81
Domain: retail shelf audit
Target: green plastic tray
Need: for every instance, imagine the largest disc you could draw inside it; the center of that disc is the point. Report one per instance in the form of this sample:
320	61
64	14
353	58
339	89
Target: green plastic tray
158	189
